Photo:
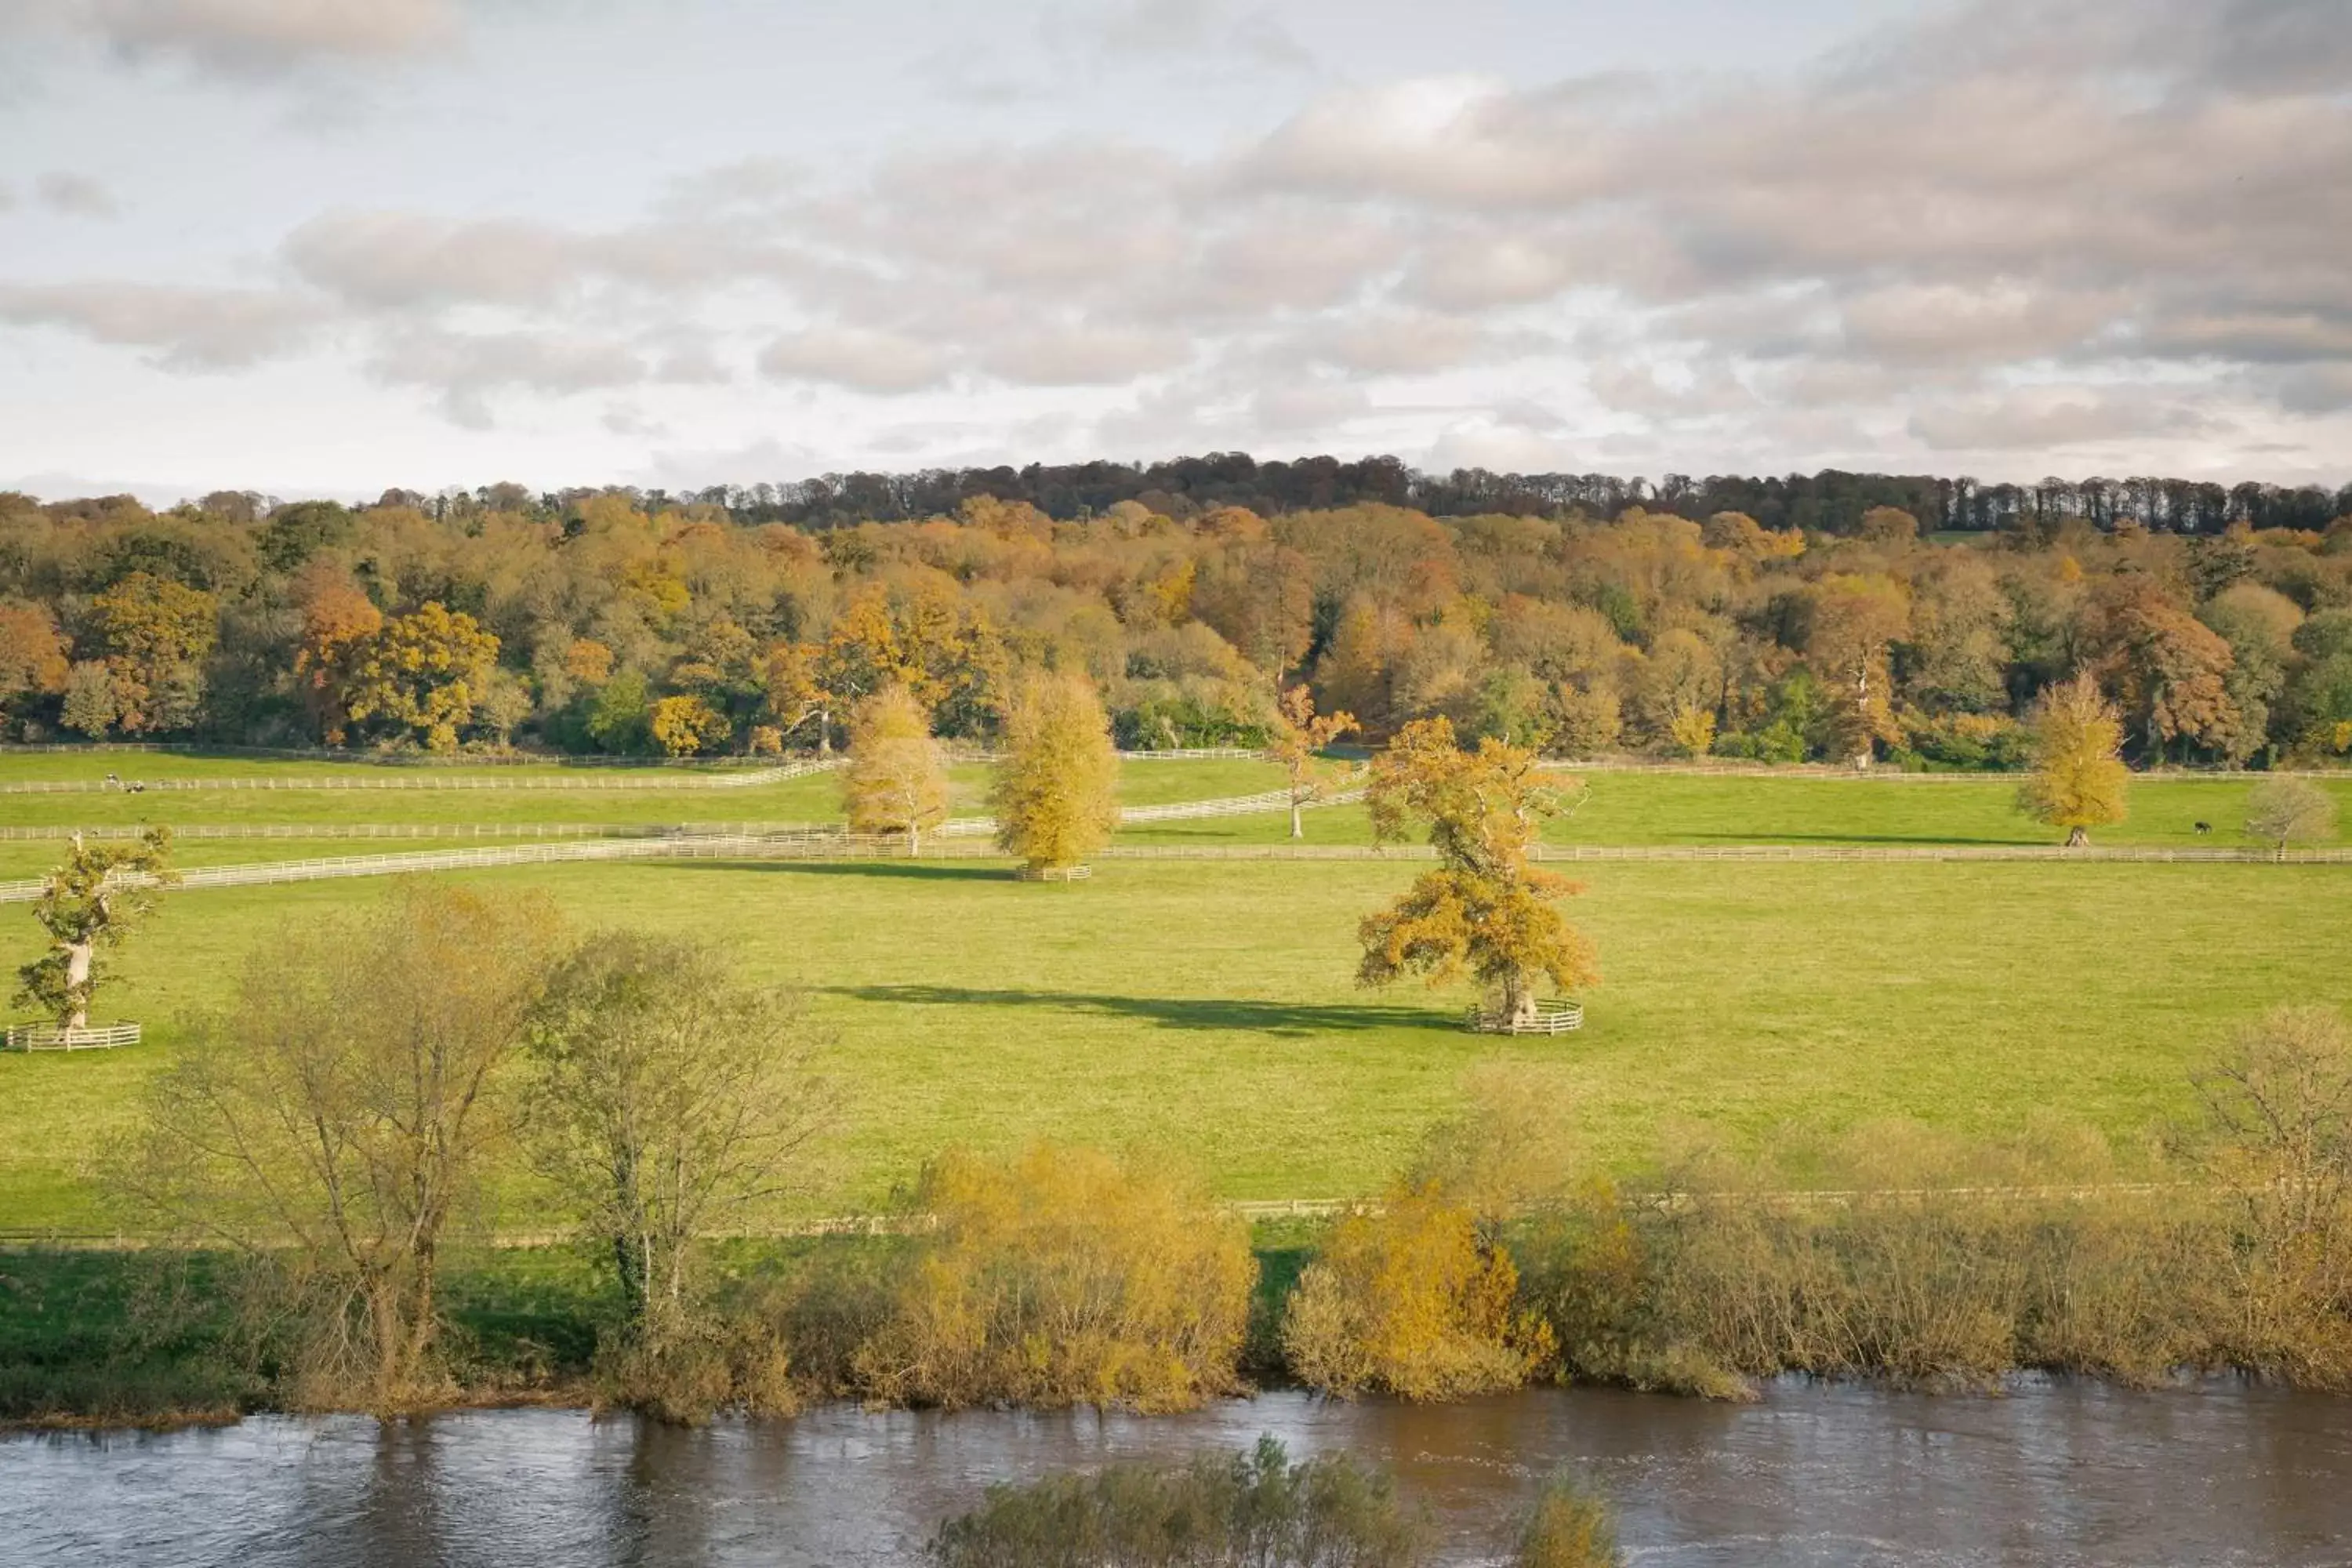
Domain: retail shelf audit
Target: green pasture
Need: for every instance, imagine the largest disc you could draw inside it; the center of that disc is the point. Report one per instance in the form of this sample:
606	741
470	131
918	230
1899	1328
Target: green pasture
1206	1010
1677	808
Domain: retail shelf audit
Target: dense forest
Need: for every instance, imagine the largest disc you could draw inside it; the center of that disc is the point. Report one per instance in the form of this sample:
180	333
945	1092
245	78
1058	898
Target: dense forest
1912	620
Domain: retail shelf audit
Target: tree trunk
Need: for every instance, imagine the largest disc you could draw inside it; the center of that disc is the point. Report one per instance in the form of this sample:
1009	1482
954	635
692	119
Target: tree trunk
79	957
2078	838
824	732
1297	828
914	839
1518	1000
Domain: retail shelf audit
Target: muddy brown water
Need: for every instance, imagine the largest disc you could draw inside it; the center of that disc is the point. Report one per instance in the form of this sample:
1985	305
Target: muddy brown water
2048	1474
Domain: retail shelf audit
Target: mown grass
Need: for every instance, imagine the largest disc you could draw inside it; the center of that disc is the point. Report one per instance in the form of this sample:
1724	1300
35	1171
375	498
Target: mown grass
1208	1009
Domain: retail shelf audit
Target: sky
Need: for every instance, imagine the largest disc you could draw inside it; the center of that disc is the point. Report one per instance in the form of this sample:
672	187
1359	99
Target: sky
329	246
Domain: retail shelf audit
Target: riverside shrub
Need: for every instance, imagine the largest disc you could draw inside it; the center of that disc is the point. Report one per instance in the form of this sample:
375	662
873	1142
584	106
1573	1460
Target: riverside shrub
1409	1299
1062	1277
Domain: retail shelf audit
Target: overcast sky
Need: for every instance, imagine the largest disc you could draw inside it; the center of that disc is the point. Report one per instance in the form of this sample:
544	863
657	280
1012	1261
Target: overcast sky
323	247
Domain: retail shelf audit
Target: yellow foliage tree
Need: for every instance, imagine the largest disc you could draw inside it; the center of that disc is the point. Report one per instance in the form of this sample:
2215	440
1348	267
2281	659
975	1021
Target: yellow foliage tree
1298	734
686	725
1486	911
2079	779
898	778
422	674
1056	792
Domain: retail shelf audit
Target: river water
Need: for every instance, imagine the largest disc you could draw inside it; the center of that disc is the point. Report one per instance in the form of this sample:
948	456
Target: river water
2048	1473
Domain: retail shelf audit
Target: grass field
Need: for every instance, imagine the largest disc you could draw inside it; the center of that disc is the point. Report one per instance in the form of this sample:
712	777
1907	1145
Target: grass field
1207	1009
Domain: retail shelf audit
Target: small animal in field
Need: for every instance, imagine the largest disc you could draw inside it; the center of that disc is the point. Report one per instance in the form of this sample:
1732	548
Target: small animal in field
2203	828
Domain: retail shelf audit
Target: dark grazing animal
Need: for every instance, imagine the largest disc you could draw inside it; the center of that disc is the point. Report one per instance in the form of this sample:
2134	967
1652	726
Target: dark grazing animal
2204	827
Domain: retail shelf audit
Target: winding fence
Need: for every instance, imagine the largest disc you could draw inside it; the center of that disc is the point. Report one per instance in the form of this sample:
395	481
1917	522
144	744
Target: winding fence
821	844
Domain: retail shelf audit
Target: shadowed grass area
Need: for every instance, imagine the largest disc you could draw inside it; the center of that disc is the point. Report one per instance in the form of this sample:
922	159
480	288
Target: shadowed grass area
1209	1009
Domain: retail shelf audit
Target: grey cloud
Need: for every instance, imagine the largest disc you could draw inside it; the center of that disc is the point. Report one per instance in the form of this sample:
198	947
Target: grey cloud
2043	417
1082	356
246	38
190	329
865	361
466	368
397	260
1158	29
78	196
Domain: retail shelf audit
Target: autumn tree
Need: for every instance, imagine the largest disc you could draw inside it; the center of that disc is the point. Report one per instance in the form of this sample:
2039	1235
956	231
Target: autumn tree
686	724
338	624
2078	780
1300	734
2285	812
796	692
335	1128
157	634
666	1098
33	662
1056	792
1487	910
88	904
421	675
1855	622
897	781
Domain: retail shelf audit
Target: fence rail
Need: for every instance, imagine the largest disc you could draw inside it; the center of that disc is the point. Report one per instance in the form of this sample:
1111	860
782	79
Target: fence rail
746	778
60	1037
833	843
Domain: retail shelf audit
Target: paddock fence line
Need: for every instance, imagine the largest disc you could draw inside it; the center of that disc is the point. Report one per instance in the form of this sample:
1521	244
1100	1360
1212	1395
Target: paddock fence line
901	1223
835	843
745	778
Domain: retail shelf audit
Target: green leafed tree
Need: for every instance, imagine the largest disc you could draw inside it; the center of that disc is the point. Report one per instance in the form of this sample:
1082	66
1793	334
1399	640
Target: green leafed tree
897	781
1486	912
90	903
1056	791
2079	780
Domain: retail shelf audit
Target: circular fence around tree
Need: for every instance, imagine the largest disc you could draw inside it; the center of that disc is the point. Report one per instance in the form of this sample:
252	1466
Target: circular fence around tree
1556	1016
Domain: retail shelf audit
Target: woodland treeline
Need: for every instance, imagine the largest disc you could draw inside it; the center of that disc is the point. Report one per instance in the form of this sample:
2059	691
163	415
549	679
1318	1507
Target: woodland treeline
1790	622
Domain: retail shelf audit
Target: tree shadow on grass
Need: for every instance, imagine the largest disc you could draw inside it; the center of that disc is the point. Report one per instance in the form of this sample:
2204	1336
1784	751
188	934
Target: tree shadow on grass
1293	1019
924	870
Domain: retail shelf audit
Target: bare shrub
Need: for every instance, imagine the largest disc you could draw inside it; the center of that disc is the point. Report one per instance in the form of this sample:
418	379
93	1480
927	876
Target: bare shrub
335	1128
2280	1106
1062	1277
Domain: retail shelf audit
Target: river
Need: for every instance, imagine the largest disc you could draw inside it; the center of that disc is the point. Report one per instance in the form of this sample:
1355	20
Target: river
2048	1474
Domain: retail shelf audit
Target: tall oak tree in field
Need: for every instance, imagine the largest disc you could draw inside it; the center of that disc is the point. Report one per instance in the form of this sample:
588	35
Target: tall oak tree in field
90	902
1056	791
2079	779
1486	912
